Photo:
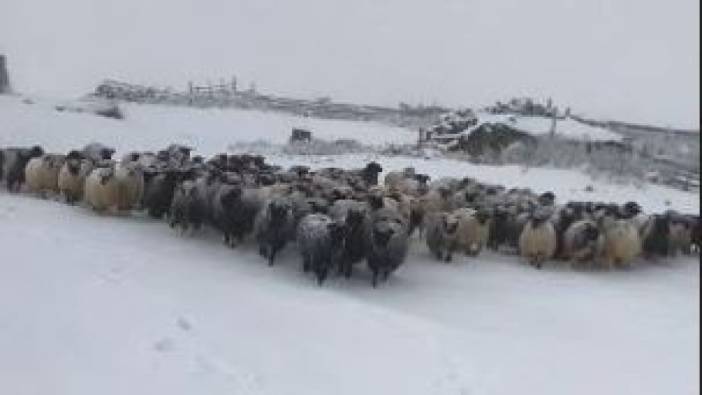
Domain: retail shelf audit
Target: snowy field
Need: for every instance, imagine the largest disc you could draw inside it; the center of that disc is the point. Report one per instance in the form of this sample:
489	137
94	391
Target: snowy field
112	305
152	127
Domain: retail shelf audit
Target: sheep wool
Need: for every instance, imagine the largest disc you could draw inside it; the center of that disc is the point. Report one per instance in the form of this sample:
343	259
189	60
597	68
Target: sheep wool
537	241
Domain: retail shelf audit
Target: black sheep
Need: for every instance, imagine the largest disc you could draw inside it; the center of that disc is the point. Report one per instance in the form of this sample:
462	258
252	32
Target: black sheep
320	240
14	162
274	227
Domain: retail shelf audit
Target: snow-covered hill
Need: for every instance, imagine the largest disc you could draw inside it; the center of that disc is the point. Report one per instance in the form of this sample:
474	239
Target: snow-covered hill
112	305
538	126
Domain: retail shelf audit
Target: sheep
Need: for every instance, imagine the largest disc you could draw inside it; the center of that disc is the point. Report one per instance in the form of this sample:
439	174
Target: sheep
369	174
187	209
435	200
582	242
402	203
130	182
302	206
472	231
179	153
621	241
407	182
388	244
562	218
15	161
466	197
680	238
97	152
630	210
231	214
273	227
41	174
537	241
101	189
441	235
71	177
354	215
547	199
499	231
655	235
320	241
680	233
695	232
159	188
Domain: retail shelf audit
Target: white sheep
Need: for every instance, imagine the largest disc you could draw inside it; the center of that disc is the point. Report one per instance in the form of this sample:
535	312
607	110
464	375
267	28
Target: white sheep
101	189
130	181
473	230
71	179
537	242
622	243
41	174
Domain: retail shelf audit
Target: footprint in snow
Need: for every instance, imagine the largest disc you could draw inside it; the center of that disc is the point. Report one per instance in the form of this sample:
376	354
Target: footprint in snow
246	382
113	275
164	345
184	324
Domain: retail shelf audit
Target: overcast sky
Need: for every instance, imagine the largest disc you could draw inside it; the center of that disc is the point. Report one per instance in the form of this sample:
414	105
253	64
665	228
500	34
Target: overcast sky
633	60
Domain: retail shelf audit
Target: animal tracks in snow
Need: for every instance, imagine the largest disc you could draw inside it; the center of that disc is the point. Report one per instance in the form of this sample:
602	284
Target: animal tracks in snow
184	348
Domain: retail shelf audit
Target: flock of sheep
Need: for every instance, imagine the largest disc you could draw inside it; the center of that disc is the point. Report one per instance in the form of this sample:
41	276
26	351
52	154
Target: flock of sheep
339	218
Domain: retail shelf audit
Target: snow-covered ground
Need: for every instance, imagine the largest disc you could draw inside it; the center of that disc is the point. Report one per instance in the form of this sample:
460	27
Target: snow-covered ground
112	305
92	304
537	126
152	127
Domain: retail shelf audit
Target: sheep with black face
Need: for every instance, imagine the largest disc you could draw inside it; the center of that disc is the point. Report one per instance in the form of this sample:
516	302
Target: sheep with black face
388	244
441	235
97	152
274	227
320	241
188	210
354	216
583	242
71	178
229	216
537	241
159	189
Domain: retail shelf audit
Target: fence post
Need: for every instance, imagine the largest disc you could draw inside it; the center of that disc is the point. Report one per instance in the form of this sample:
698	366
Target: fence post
4	77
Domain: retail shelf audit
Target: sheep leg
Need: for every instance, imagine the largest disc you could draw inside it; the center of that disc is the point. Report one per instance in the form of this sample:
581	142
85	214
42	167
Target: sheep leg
306	263
271	257
449	253
321	276
341	267
374	281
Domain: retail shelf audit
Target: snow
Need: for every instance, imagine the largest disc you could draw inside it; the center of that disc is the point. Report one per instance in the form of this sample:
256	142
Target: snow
152	127
124	305
112	305
538	126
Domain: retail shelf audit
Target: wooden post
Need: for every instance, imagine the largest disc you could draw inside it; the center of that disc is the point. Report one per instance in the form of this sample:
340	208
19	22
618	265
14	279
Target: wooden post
4	77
